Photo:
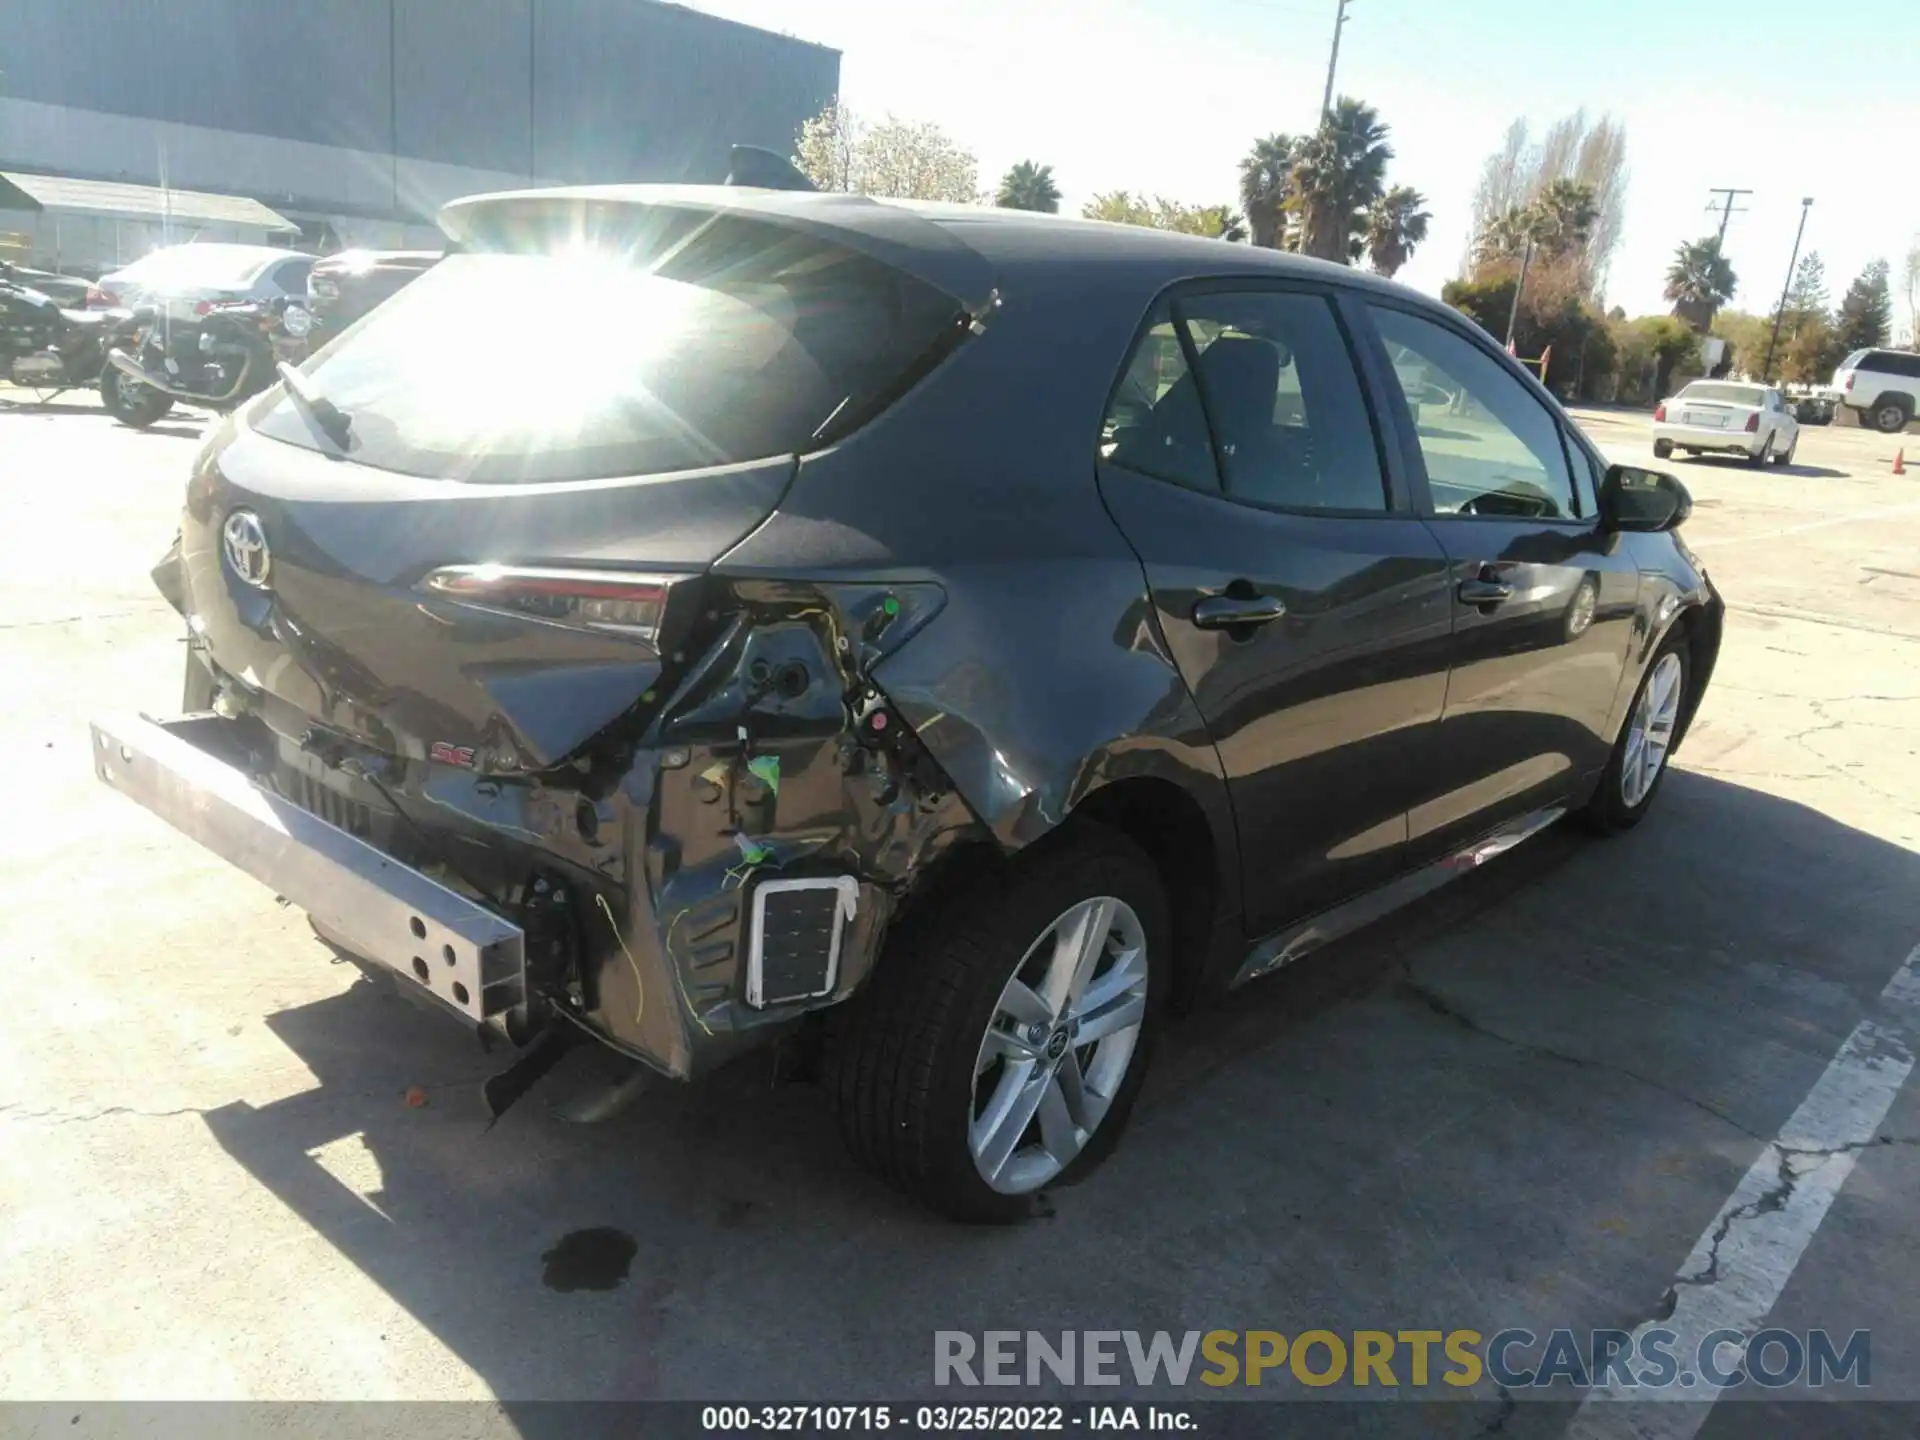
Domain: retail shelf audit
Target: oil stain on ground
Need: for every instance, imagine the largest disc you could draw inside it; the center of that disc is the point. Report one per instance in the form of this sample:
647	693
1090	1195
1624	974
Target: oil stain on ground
596	1259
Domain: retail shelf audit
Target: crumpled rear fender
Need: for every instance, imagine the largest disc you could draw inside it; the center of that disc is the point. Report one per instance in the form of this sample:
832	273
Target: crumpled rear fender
1029	731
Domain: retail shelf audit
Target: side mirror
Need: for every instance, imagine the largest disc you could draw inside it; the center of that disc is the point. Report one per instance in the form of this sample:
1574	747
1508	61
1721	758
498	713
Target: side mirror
1643	500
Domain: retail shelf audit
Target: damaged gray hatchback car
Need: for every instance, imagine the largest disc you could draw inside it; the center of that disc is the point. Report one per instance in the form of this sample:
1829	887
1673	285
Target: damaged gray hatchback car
686	613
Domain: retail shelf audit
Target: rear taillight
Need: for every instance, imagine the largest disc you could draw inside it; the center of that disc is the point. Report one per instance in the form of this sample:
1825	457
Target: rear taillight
98	299
1848	383
1753	423
1660	411
612	601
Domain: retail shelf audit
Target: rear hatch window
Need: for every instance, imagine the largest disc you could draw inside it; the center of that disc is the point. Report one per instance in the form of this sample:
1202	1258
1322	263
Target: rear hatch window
551	352
1725	395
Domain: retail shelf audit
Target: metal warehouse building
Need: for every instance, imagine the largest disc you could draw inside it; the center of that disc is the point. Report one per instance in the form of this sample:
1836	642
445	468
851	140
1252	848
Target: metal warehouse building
363	116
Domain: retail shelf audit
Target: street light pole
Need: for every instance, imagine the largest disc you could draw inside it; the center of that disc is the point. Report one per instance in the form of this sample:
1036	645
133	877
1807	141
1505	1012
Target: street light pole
1339	24
1766	370
1513	315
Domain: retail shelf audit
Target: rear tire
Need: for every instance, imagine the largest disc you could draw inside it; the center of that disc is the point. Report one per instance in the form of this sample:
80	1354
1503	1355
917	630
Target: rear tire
1626	790
1762	455
1662	449
1891	414
934	1047
131	404
1781	462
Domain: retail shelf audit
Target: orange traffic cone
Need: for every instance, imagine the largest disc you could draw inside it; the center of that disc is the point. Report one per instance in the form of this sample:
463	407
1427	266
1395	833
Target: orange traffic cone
1900	461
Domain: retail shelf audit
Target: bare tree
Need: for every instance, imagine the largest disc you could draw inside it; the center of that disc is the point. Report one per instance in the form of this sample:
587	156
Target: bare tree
1601	165
1913	292
916	160
1559	147
897	159
1502	183
1514	177
829	143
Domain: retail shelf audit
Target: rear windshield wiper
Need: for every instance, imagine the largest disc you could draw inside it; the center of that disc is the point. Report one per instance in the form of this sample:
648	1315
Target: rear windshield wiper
332	420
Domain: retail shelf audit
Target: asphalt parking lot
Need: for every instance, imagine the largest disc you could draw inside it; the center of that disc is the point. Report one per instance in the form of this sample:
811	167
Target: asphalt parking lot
1522	1103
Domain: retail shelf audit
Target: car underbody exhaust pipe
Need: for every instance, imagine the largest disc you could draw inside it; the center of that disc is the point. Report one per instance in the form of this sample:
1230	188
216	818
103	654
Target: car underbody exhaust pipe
133	370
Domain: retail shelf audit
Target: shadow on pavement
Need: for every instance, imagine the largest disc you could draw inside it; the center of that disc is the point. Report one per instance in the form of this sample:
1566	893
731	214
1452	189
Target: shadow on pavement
11	406
1734	462
1433	1120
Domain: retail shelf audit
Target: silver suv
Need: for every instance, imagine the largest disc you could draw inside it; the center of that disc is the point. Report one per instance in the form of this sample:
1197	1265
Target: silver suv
1881	386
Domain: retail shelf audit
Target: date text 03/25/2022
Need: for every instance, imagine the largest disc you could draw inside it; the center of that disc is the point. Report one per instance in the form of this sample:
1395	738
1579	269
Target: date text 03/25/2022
944	1419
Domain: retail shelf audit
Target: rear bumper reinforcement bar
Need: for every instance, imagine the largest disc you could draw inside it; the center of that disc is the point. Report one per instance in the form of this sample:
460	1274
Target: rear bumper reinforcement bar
457	950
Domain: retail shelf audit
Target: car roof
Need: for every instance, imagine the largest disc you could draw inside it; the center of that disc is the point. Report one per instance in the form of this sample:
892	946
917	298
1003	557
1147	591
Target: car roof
239	254
968	250
361	256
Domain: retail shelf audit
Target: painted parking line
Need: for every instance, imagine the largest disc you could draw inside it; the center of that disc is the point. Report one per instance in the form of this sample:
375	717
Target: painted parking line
1742	1261
1888	512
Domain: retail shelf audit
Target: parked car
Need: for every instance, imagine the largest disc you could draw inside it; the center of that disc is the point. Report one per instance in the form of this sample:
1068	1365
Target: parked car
986	632
1881	387
343	287
183	279
1811	405
1728	418
67	291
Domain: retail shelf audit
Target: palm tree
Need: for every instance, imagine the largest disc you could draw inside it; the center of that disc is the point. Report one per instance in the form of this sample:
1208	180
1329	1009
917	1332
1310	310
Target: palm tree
1264	176
1505	236
1028	186
1563	217
1699	282
1224	223
1338	173
1396	223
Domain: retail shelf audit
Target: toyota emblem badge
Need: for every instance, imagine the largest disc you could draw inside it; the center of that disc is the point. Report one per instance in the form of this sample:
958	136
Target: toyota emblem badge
245	542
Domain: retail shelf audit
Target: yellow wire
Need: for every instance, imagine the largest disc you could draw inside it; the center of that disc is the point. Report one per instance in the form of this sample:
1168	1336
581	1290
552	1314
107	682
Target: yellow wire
639	985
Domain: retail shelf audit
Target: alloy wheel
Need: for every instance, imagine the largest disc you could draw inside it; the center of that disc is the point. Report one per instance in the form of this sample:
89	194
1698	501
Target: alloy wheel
1058	1046
1650	731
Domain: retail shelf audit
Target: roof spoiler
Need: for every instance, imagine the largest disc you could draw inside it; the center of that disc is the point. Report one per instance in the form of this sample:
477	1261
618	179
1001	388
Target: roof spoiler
762	169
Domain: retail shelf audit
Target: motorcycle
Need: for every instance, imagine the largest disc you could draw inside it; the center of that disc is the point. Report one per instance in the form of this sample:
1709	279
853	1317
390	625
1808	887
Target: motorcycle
222	357
48	349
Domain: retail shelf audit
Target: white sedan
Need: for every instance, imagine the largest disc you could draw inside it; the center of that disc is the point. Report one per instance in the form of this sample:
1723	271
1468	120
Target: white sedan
1725	417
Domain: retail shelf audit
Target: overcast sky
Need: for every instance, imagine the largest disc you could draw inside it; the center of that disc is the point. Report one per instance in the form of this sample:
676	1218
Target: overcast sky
1783	97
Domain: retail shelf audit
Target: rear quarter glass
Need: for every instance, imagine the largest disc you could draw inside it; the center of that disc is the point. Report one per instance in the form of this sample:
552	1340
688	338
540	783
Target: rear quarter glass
562	362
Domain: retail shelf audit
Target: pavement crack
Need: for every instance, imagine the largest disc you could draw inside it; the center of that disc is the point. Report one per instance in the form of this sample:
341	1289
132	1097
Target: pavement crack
1774	1198
78	619
62	1117
55	1115
1445	1008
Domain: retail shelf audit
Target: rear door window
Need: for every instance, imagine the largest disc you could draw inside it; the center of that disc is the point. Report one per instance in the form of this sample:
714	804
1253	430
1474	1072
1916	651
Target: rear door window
725	341
290	276
1154	423
1289	420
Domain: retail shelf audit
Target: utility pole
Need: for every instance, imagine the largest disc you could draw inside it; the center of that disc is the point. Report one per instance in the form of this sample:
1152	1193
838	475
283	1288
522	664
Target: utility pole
1727	212
1513	315
1766	370
1333	60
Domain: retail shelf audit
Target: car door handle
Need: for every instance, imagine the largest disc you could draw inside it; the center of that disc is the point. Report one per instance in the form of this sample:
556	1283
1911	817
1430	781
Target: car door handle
1482	591
1224	612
